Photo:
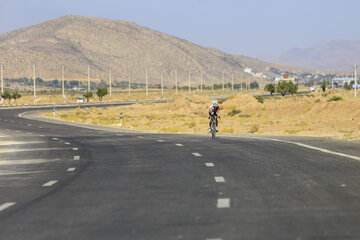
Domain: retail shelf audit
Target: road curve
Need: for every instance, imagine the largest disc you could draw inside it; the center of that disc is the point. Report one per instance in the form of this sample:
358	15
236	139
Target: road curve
67	182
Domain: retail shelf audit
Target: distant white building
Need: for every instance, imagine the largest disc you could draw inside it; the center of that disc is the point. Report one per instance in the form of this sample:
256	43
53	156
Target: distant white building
339	82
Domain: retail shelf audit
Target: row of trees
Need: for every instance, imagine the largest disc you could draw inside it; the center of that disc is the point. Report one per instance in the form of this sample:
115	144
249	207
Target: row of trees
101	92
282	87
10	95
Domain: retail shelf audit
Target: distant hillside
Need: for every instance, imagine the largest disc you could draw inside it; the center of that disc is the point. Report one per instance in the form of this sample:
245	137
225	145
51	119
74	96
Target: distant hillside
338	55
77	42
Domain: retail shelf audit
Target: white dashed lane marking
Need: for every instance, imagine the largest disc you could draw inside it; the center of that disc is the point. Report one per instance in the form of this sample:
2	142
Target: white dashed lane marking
76	157
209	164
49	183
55	139
197	154
71	169
214	239
140	137
223	203
67	143
6	205
75	149
161	140
179	145
219	179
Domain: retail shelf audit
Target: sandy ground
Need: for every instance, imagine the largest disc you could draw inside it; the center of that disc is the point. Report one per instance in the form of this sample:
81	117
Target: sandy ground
307	115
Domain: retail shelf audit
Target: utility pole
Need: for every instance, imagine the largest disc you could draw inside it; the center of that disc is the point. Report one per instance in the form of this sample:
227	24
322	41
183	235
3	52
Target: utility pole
232	82
176	81
146	83
201	80
62	83
129	84
34	82
162	83
110	81
223	81
355	80
2	79
88	78
189	83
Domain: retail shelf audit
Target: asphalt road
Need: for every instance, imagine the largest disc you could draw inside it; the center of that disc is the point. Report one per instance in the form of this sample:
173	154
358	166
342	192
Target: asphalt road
67	182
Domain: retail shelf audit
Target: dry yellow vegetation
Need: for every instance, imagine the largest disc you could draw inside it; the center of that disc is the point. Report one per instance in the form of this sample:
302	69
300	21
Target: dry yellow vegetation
307	115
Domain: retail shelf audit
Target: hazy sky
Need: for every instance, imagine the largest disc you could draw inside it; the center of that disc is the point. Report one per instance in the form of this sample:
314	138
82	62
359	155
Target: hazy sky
247	27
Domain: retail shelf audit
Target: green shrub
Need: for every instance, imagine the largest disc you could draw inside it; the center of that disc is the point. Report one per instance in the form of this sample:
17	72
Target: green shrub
234	112
317	100
259	98
335	98
245	116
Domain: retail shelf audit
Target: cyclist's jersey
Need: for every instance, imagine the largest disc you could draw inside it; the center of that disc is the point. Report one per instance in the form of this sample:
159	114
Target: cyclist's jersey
214	110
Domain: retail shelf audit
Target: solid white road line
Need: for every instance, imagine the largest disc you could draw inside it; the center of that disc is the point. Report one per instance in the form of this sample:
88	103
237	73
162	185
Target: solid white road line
29	149
55	139
219	179
71	169
49	183
223	203
197	154
119	134
75	149
8	173
179	144
76	157
209	164
311	147
6	205
27	161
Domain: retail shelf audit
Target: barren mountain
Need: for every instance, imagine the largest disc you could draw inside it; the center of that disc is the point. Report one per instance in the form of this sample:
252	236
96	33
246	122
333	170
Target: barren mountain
78	42
338	55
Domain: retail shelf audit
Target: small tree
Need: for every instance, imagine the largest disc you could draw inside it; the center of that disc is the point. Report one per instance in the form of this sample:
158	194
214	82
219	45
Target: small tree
88	95
101	92
270	87
6	95
16	95
292	88
254	85
323	86
282	87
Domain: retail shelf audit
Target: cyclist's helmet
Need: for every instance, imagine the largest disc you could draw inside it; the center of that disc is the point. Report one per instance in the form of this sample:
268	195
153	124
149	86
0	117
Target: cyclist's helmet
215	104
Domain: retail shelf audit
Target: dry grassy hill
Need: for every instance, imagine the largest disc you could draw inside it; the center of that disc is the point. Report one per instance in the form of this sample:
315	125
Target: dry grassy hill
77	42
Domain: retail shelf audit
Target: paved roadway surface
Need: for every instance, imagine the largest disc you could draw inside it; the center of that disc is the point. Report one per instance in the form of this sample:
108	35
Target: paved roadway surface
67	182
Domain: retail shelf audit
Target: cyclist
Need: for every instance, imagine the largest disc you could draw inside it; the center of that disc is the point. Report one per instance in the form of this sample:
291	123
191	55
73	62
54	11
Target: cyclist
214	110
